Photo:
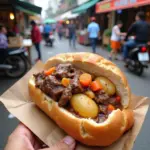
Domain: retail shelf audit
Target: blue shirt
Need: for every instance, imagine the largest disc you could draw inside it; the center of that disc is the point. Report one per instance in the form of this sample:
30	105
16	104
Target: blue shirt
3	41
93	29
47	28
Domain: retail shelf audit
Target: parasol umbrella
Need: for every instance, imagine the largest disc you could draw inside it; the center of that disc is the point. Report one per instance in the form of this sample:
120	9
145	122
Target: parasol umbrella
50	21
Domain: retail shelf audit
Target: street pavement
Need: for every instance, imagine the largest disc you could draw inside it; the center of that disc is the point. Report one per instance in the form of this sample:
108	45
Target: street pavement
139	85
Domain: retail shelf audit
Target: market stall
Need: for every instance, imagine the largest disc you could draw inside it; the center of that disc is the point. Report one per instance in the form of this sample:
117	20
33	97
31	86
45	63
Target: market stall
15	16
85	10
121	10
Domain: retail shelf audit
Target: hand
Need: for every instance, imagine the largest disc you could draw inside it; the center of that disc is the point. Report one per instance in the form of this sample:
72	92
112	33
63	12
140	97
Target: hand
23	139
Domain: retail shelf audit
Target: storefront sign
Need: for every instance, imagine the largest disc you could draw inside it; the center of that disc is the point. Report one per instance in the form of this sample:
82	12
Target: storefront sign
110	5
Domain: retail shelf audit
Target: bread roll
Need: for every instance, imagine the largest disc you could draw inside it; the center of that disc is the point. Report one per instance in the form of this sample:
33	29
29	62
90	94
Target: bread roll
87	131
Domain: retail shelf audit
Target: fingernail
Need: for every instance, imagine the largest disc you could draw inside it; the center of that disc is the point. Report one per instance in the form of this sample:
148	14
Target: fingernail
68	140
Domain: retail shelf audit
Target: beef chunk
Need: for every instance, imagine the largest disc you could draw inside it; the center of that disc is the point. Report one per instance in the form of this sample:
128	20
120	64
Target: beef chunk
118	106
65	97
102	118
53	80
51	88
103	109
53	92
112	101
40	75
39	78
65	71
101	97
75	84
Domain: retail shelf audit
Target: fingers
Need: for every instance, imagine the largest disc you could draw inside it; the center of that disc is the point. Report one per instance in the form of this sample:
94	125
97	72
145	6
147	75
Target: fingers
20	139
24	131
68	143
23	139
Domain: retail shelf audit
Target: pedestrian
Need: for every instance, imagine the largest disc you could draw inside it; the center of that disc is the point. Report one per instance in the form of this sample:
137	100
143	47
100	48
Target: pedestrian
47	30
54	28
16	29
36	38
23	139
60	30
115	40
141	30
72	34
41	27
93	30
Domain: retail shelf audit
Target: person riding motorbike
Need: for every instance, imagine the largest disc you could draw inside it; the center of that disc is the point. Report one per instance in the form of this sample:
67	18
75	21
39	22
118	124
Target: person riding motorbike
3	42
13	61
47	30
141	30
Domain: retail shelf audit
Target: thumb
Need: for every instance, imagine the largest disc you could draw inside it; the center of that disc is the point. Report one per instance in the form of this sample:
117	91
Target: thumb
68	143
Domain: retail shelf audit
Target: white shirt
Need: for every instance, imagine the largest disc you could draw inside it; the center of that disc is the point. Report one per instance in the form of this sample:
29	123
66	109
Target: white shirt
115	36
93	29
41	28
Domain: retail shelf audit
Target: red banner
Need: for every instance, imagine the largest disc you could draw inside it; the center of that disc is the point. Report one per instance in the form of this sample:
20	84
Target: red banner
110	5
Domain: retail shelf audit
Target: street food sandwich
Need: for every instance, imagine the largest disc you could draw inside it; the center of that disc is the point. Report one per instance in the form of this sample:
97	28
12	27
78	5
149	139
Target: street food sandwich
86	95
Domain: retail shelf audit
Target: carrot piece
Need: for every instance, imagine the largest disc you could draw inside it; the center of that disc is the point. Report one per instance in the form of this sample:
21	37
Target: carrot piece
50	71
95	86
118	99
65	82
111	107
85	79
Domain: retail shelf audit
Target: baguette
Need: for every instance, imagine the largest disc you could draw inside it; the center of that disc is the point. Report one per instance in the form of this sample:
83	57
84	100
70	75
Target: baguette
87	131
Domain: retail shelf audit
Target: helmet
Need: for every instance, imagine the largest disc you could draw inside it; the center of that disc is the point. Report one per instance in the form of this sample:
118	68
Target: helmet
60	21
93	19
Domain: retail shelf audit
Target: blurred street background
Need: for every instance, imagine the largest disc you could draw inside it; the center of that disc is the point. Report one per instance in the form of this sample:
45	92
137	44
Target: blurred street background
16	15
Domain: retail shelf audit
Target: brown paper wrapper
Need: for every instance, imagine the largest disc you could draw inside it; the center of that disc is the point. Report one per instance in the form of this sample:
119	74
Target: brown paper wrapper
17	101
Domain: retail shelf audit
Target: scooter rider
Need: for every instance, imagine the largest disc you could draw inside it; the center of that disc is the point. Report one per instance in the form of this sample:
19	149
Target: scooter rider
3	42
141	30
3	38
47	30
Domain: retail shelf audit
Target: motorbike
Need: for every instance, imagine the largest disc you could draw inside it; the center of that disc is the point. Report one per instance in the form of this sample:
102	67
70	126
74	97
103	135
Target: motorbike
15	62
138	59
50	40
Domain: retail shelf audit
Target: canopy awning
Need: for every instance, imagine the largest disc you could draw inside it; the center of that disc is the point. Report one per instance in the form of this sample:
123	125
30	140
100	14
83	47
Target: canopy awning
26	7
111	5
50	21
85	6
68	15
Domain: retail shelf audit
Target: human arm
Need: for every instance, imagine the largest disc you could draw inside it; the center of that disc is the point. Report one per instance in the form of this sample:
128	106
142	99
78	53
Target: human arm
131	30
3	41
88	29
33	35
98	29
117	31
23	139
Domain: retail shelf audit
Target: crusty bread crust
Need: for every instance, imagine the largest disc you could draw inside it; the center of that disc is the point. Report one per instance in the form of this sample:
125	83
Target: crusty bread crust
86	130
